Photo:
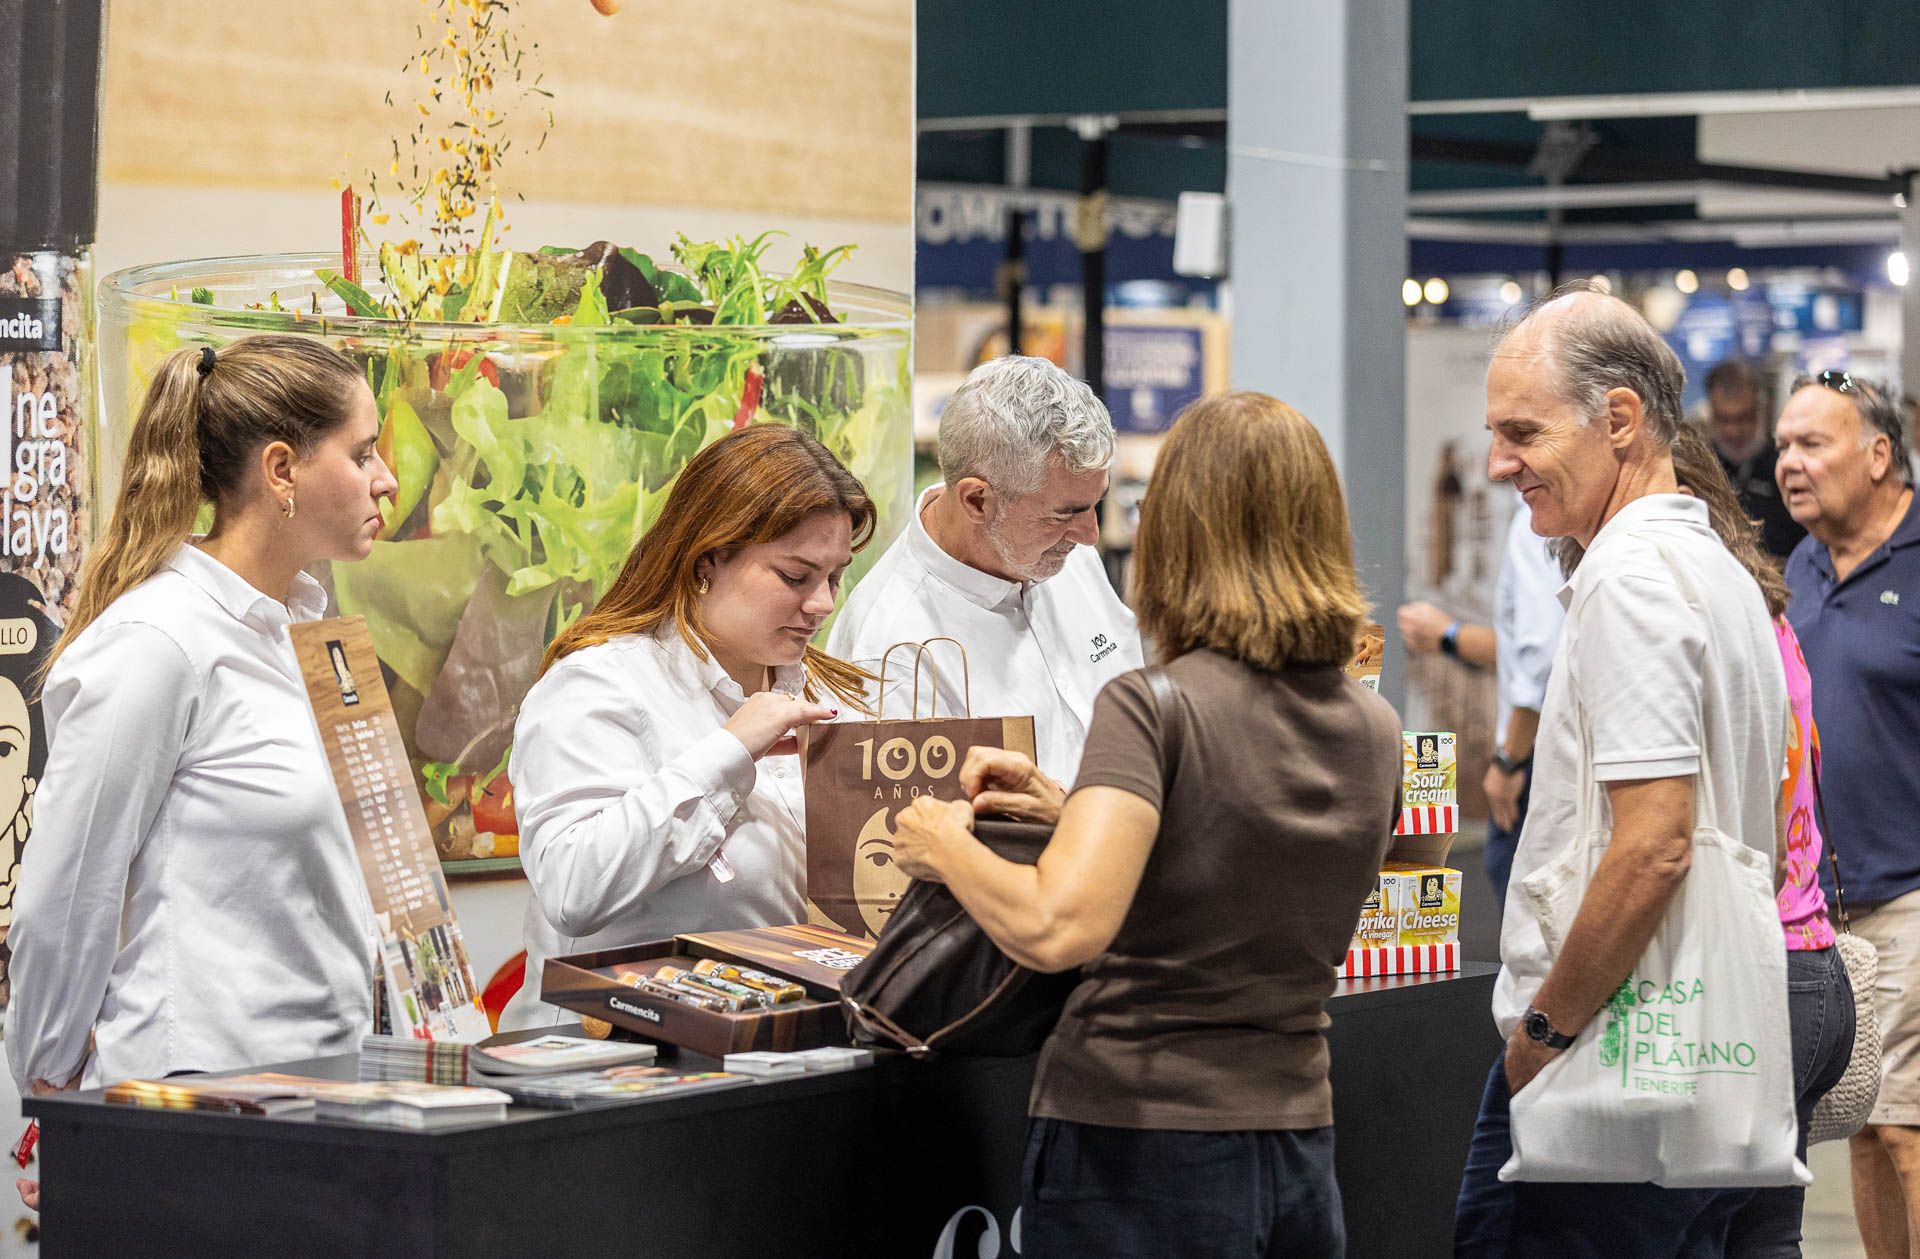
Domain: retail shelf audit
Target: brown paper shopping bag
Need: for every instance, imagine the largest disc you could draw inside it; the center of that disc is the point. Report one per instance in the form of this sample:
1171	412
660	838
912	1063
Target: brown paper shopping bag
860	774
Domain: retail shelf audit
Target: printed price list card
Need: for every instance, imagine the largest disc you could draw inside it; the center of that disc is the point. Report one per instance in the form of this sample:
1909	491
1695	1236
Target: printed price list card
430	979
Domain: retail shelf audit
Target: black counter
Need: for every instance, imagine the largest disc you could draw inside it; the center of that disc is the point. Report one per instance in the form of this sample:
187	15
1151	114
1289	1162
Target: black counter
898	1161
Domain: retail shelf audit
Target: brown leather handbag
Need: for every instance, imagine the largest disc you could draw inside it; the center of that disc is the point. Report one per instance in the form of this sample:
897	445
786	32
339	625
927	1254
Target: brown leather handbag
935	983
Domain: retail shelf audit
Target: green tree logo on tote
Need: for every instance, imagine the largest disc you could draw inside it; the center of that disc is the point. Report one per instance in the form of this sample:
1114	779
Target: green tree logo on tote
1613	1037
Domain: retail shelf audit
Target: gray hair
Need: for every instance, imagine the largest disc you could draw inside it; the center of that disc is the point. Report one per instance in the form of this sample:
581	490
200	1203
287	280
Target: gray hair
1594	342
1011	414
1879	413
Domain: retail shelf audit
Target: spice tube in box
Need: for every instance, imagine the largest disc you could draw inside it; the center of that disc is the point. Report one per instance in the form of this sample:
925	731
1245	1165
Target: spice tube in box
624	987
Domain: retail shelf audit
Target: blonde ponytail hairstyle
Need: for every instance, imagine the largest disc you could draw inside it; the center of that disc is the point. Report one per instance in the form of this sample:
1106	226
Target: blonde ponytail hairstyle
206	415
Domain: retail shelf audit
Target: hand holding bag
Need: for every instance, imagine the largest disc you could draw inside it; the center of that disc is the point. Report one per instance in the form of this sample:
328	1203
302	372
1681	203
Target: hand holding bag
1846	1107
1685	1077
935	982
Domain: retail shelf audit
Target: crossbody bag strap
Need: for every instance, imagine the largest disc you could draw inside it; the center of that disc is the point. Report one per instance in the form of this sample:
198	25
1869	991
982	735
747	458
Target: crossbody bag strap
1826	837
1165	693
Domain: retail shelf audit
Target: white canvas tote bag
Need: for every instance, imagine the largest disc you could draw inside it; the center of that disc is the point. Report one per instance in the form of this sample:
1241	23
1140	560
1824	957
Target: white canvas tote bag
1685	1077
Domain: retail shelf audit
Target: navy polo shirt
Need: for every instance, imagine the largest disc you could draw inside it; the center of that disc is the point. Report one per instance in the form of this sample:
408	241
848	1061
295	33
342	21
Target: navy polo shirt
1861	638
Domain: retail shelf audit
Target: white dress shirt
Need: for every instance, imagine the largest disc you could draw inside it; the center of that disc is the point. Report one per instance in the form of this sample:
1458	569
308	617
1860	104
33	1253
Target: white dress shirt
1526	619
1664	674
628	788
1042	649
190	894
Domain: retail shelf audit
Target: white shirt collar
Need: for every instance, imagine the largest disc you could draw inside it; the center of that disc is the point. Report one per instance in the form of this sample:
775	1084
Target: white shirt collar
984	589
1684	508
306	598
708	675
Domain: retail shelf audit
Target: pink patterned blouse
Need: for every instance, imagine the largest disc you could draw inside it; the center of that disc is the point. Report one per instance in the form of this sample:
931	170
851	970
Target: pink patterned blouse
1803	906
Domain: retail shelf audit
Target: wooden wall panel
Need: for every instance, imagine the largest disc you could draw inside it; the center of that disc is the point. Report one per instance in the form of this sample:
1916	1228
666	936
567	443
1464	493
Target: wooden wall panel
792	107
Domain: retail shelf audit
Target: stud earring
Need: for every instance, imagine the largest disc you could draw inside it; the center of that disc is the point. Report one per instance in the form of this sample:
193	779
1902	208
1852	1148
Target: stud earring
701	586
286	508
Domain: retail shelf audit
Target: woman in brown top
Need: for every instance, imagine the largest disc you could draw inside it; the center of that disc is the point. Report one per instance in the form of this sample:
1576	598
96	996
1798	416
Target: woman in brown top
1207	871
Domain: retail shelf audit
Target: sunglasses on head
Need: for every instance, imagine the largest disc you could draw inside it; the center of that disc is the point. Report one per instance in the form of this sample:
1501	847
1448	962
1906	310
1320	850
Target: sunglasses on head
1839	382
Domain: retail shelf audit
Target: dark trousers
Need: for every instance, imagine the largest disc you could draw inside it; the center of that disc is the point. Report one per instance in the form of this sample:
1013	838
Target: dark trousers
1122	1193
1501	844
1496	1218
1820	1009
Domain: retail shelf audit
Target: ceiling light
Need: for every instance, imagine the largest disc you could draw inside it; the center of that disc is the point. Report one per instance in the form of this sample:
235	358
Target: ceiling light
1897	268
1436	290
1737	279
1410	291
1686	281
1511	293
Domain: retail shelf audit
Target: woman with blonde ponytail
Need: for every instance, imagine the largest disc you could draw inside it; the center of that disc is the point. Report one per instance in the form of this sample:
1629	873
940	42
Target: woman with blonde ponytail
654	768
190	900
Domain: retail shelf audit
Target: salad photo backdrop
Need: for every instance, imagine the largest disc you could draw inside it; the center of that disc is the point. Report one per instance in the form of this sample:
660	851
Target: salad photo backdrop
533	449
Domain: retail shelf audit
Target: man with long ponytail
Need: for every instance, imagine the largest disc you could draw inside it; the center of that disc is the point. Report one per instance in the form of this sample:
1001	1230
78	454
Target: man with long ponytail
190	900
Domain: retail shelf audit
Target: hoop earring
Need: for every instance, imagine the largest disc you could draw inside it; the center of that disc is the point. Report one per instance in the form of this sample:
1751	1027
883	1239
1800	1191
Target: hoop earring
701	586
286	508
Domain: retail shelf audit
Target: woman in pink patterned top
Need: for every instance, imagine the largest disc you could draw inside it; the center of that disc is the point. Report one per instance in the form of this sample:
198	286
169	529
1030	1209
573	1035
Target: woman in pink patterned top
1819	997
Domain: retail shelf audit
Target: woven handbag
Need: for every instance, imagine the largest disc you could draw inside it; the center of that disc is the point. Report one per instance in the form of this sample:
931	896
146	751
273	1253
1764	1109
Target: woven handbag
1846	1106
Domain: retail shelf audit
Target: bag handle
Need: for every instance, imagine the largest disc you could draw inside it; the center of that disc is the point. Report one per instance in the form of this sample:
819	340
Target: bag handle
1161	683
1826	837
933	668
920	651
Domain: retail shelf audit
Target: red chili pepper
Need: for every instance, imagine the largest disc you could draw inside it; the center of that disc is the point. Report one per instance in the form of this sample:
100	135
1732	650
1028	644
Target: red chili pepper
749	397
446	364
23	1148
349	229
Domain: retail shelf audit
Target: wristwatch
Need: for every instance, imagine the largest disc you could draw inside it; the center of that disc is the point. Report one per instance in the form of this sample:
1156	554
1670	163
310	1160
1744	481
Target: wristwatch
1540	1028
1507	764
1450	641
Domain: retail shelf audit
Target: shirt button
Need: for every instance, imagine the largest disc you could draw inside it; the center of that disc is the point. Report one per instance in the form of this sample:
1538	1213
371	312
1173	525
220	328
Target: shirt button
779	773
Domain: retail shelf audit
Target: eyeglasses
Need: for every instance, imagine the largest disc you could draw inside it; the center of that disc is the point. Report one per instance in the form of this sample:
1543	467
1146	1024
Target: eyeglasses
1839	382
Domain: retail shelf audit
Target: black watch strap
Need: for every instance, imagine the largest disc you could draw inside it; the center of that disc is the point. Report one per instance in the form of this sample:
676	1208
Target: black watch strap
1507	764
1540	1028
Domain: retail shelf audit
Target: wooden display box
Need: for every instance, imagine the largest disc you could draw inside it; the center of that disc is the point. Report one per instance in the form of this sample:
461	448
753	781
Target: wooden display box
816	957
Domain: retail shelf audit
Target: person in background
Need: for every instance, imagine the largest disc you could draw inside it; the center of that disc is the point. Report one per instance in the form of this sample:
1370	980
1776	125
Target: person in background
1520	645
1855	584
1207	872
191	899
1746	452
1819	994
1000	558
654	763
1583	400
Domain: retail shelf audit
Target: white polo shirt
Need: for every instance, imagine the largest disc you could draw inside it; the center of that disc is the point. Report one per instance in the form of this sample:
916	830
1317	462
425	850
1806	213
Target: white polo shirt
1661	671
1035	648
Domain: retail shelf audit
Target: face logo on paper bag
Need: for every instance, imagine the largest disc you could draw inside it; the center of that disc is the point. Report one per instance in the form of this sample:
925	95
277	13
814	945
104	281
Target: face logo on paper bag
1428	754
878	880
1433	890
1102	648
349	693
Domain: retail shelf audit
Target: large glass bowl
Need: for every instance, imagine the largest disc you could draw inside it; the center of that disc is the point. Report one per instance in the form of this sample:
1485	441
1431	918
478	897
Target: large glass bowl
530	458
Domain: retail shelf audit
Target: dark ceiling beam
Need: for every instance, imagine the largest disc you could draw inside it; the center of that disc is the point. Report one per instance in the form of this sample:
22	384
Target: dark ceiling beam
1603	164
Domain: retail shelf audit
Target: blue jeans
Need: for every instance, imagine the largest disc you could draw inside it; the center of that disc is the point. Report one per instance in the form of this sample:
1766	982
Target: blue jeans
1820	1009
1495	1218
1501	844
1124	1193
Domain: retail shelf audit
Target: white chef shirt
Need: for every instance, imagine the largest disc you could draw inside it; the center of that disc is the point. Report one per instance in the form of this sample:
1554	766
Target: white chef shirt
1634	667
627	787
190	894
1526	618
1035	648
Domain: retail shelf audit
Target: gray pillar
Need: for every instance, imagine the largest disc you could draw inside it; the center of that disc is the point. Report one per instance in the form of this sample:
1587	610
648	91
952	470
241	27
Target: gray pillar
1317	181
1910	295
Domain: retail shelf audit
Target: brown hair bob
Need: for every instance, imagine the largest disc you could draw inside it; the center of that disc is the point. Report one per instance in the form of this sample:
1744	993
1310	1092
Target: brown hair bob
1244	546
749	487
